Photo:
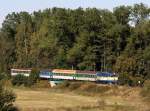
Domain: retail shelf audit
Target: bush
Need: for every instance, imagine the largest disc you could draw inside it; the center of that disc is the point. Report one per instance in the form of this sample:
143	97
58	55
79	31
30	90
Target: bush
3	76
19	80
126	79
26	81
34	76
136	81
6	100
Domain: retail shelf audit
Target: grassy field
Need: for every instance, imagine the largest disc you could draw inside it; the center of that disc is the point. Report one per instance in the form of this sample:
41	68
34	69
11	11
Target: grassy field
50	100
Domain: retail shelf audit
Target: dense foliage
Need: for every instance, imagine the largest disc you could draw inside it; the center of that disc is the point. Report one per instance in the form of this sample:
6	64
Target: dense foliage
91	39
24	80
19	80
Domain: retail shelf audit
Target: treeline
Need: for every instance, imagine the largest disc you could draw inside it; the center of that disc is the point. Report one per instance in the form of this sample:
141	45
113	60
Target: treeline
85	39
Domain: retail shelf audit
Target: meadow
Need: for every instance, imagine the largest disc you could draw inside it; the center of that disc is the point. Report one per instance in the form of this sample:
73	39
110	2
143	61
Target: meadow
82	98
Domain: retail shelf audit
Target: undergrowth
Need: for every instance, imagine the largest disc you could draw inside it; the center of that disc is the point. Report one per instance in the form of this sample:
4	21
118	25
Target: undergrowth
84	88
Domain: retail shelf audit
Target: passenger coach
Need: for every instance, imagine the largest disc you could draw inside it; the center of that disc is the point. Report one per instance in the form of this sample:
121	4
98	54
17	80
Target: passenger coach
24	71
106	77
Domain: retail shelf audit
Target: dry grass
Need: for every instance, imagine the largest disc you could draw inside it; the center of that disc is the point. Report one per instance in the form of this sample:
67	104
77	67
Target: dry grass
127	99
29	99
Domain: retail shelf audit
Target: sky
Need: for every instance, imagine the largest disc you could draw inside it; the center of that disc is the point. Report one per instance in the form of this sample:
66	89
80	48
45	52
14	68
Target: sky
8	6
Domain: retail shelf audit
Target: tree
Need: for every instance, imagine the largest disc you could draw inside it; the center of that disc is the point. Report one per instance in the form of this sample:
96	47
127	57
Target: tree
22	38
139	13
7	41
122	14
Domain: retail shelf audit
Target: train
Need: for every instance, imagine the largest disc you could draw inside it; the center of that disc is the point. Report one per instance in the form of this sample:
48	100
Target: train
76	75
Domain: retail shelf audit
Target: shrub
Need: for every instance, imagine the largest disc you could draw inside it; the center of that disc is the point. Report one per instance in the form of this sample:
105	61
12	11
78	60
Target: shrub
33	77
6	100
19	80
34	74
124	79
26	81
134	81
3	76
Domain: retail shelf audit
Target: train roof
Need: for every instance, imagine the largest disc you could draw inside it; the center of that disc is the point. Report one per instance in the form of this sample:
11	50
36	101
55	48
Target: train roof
64	71
85	72
21	69
46	70
72	71
105	74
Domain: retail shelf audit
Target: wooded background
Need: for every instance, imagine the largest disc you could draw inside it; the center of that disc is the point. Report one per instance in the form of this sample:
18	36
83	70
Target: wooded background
85	39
